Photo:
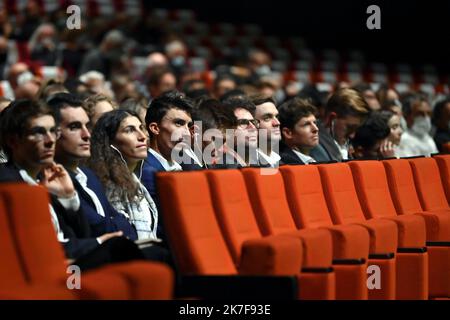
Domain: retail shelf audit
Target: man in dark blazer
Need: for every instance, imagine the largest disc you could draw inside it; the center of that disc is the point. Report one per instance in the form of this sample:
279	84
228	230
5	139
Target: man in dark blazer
29	133
327	150
74	146
299	131
168	121
345	112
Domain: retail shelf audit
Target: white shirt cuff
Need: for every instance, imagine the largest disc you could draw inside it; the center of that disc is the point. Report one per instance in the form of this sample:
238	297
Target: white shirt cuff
72	203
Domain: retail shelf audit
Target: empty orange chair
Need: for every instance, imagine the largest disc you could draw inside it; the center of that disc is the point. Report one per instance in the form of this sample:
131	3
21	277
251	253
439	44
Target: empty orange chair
268	197
200	249
310	210
443	162
404	195
428	183
238	222
373	193
37	258
344	207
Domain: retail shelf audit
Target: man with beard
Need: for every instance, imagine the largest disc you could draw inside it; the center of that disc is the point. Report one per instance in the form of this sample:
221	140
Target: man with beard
168	121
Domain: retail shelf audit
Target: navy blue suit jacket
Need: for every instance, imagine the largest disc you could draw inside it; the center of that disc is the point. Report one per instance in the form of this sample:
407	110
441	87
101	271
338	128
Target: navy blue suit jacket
113	220
149	169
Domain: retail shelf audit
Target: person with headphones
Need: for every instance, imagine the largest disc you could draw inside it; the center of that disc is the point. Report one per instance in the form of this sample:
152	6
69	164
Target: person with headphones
119	146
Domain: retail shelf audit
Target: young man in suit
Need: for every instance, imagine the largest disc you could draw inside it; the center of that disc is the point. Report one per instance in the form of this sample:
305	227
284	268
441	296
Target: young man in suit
299	130
29	132
269	127
345	112
72	147
168	121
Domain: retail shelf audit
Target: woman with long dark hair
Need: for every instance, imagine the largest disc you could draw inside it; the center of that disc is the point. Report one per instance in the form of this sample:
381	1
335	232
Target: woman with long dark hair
119	145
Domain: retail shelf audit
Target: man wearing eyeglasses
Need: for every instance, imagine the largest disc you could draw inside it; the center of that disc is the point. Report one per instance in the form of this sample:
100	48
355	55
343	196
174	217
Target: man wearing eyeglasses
269	130
243	140
29	133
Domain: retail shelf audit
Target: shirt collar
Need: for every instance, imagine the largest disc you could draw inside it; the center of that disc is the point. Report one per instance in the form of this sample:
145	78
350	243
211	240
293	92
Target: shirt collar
81	177
305	158
166	165
271	159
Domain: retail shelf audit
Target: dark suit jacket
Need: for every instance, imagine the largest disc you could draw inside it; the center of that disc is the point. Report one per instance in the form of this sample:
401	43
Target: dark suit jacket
328	145
289	157
149	169
113	220
73	223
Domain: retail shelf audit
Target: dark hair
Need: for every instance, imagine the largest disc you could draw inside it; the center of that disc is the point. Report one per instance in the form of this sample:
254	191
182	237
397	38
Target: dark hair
47	87
346	102
239	103
223	77
361	87
214	116
234	93
409	100
386	115
259	99
375	128
15	118
133	104
107	162
293	110
382	96
438	109
62	100
311	93
159	106
157	73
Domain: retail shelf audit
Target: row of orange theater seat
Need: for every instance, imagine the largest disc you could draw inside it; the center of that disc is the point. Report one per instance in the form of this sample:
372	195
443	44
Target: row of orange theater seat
33	265
355	230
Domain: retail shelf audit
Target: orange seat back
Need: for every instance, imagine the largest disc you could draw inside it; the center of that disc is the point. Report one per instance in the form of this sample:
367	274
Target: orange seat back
42	255
12	268
191	225
401	186
305	196
372	188
233	209
428	183
340	193
269	201
443	162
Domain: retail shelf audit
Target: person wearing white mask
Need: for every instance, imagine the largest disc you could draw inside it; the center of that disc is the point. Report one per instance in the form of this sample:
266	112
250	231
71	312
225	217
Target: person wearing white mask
417	141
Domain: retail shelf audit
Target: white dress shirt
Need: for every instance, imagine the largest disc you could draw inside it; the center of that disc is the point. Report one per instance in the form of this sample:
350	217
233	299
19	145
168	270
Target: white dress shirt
82	179
413	145
273	159
72	203
305	158
166	165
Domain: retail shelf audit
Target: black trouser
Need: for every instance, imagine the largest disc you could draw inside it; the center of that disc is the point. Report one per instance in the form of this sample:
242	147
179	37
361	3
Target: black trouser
121	249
